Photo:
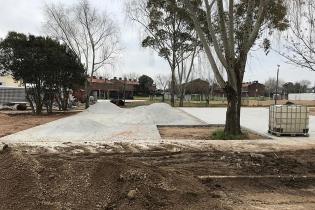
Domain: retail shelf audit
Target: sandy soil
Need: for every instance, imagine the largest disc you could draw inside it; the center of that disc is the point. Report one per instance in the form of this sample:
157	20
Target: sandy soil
13	123
157	180
197	133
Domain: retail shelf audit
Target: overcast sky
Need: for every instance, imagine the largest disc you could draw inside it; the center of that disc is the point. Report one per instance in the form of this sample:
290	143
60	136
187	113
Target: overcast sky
27	16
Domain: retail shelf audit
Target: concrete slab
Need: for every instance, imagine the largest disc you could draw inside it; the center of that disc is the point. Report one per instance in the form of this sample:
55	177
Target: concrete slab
255	119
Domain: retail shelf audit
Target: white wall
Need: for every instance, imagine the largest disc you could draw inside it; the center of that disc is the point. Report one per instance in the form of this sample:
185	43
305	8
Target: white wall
302	97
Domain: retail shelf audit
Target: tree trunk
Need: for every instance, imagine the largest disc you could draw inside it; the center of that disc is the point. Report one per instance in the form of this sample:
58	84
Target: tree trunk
39	108
28	98
173	87
87	92
182	95
181	101
64	104
232	124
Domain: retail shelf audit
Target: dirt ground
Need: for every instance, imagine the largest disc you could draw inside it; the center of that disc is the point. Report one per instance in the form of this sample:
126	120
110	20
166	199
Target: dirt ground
197	133
157	180
13	123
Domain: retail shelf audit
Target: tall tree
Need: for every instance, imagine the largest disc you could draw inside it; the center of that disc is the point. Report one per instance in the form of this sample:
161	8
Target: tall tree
91	34
166	30
228	30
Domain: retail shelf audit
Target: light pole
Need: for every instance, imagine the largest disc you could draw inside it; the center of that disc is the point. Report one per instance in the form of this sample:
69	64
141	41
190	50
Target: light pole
277	85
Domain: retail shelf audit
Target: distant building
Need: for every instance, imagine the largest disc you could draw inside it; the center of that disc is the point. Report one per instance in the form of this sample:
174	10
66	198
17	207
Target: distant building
197	87
8	81
201	89
253	89
103	88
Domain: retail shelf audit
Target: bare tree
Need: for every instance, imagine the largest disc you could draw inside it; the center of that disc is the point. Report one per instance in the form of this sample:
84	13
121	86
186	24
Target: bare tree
131	75
271	86
92	35
300	40
162	82
306	83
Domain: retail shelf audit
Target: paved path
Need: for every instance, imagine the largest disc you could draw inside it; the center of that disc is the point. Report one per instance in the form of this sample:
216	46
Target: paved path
253	118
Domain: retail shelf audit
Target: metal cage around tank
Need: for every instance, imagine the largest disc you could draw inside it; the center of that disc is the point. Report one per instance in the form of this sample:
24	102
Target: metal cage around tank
289	120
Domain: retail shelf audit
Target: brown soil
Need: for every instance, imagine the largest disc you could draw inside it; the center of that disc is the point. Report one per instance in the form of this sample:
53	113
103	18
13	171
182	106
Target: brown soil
197	133
156	180
12	123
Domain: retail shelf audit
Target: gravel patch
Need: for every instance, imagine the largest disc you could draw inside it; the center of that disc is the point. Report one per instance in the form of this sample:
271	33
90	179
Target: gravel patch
106	122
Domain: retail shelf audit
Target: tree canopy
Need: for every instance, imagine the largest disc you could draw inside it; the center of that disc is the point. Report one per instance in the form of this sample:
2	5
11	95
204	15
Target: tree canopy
46	67
168	32
145	85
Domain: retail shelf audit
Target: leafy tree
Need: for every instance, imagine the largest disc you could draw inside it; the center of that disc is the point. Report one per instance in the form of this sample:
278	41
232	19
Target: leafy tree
65	72
228	30
145	85
44	66
168	32
24	57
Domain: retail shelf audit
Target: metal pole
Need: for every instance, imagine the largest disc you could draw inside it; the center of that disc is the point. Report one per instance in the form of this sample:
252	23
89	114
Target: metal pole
277	85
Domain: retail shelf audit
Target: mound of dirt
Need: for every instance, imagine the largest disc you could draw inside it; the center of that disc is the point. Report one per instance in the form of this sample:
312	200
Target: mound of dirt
93	181
103	108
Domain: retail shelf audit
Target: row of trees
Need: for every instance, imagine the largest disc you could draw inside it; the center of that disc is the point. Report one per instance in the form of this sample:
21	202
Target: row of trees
47	68
287	87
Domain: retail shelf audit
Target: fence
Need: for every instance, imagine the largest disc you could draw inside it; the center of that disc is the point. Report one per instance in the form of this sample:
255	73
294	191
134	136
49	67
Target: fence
12	95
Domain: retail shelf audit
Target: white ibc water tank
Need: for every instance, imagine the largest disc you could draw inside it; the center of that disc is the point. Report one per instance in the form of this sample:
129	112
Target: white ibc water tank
288	119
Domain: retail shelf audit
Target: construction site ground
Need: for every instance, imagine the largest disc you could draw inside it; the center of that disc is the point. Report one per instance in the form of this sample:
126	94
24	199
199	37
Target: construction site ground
129	165
157	179
13	122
